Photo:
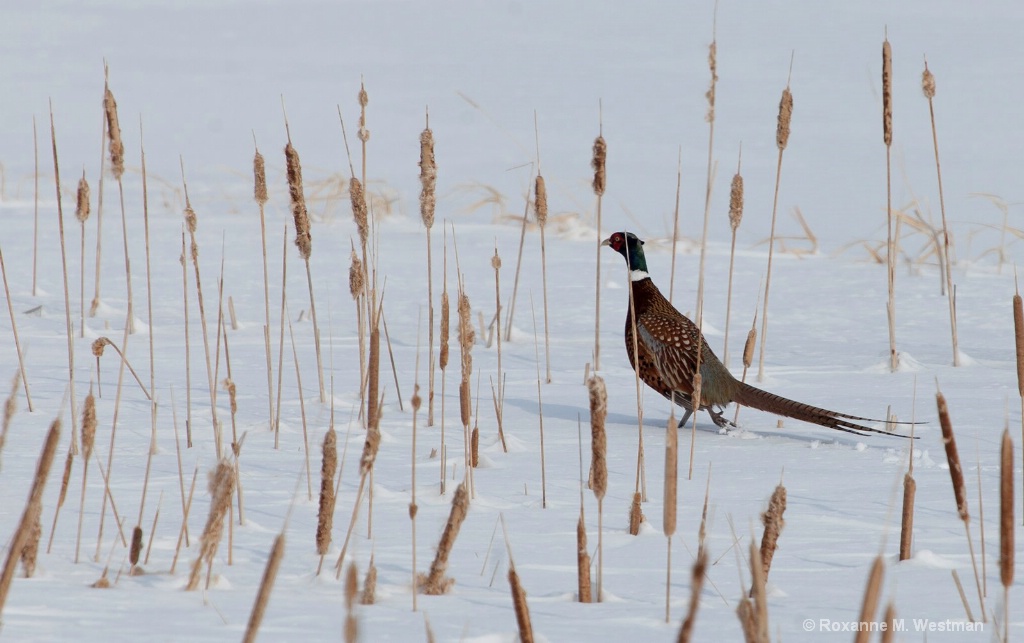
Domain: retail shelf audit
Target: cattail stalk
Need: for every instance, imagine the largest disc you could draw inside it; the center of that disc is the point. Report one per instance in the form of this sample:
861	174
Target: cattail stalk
191	222
69	327
325	517
417	401
95	304
89	423
222	481
956	474
32	508
443	363
928	88
428	202
435	582
1006	525
669	510
183	532
735	217
302	411
892	240
598	163
467	337
152	529
149	306
116	147
260	195
17	342
872	594
540	411
540	203
259	608
598	462
370	448
35	206
499	401
304	242
781	140
82	214
710	118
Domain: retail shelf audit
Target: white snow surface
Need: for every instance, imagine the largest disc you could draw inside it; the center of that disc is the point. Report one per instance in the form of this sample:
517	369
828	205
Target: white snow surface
205	78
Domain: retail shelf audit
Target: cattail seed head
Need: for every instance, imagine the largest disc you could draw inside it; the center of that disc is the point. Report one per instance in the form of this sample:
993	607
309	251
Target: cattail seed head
428	178
328	467
928	83
748	347
773	523
445	331
465	402
435	582
736	201
522	610
136	548
956	472
1006	521
540	200
221	485
266	586
636	515
582	562
82	207
475	447
417	401
191	220
364	99
598	439
887	93
355	276
359	210
259	172
232	389
88	426
1018	338
113	134
907	518
369	594
98	346
872	593
303	238
785	117
598	163
710	94
467	336
671	476
696	398
370	448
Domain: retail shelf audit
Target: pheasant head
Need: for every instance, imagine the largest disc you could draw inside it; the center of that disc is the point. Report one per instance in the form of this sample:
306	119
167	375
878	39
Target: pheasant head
631	248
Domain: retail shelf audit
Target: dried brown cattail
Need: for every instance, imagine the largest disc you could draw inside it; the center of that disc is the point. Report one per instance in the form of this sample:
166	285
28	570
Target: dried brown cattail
445	331
757	592
32	509
359	211
467	336
364	99
351	590
259	608
598	163
540	200
355	276
736	201
582	562
598	439
303	238
88	426
671	476
232	389
521	608
369	594
222	483
907	521
1018	338
191	222
328	467
428	178
136	548
696	585
956	472
465	403
872	593
1006	538
928	83
436	582
773	524
475	447
259	172
31	549
113	134
370	448
748	347
745	612
82	206
710	94
98	346
66	478
785	117
636	515
887	93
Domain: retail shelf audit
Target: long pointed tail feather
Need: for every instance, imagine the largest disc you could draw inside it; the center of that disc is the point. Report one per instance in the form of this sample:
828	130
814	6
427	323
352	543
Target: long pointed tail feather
756	398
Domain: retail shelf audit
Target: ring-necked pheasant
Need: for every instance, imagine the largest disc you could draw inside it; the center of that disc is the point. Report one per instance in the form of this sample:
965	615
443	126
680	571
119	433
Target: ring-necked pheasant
667	343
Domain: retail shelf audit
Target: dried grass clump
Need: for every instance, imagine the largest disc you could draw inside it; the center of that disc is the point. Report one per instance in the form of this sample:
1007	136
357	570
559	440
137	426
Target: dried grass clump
735	217
221	485
435	582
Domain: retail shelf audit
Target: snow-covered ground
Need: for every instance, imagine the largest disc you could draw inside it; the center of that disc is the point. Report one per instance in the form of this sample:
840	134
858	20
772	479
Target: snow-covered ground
205	78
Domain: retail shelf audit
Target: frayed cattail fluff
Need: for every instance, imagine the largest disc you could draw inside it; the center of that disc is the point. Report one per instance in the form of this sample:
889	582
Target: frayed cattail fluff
736	201
370	448
99	345
232	389
191	220
369	593
785	117
887	92
113	134
303	238
82	204
222	483
428	177
364	99
435	582
359	211
540	200
598	163
598	439
928	83
355	276
259	173
710	95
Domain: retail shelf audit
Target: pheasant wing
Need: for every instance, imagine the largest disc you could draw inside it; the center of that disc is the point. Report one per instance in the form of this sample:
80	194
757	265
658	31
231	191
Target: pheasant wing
673	348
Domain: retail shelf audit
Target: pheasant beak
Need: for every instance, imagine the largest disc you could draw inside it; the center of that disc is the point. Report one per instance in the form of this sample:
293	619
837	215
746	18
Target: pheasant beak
607	242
